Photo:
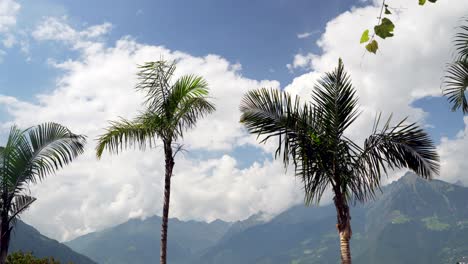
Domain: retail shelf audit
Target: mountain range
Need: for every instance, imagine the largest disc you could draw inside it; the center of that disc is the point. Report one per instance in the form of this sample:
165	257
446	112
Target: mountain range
411	221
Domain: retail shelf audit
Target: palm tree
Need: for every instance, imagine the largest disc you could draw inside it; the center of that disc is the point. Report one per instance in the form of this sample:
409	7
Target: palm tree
455	80
28	157
170	111
311	136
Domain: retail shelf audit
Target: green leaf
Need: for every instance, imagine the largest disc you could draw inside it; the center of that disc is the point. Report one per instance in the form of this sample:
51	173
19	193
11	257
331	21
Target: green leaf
385	29
372	47
422	2
387	11
365	36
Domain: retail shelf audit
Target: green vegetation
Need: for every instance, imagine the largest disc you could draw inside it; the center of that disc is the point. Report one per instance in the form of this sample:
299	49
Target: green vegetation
456	78
311	137
28	258
29	156
384	27
433	223
399	218
171	109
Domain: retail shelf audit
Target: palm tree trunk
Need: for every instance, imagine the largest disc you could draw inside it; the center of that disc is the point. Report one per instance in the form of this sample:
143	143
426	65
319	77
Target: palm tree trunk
167	194
5	231
344	227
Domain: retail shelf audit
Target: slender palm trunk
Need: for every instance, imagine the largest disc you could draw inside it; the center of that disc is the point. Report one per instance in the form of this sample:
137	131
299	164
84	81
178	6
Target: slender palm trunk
167	194
5	237
343	226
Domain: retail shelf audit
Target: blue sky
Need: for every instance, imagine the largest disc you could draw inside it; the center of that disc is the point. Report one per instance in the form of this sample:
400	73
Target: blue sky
261	35
80	56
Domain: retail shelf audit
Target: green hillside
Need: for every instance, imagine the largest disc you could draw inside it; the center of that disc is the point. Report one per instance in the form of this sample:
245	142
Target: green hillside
27	239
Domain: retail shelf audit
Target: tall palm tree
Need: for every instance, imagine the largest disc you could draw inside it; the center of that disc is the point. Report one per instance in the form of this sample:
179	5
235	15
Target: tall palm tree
171	109
311	137
455	80
28	157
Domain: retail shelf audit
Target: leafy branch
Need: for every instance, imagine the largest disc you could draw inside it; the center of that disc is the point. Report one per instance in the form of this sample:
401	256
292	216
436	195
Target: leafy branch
383	29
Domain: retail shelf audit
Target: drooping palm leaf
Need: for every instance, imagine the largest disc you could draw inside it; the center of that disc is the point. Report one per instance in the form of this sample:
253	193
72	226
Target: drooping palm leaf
455	84
124	134
461	42
20	204
271	113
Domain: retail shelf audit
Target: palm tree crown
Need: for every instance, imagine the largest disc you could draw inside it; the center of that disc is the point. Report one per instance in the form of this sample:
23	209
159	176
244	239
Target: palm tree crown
170	109
312	137
29	156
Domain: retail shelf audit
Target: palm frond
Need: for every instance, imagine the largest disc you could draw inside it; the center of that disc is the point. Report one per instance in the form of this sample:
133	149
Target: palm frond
461	42
20	204
405	145
51	147
336	97
154	80
455	84
188	102
125	133
270	113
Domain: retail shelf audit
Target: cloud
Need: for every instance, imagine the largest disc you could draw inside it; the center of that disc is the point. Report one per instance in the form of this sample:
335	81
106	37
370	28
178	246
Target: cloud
98	86
453	154
307	34
8	12
57	29
301	61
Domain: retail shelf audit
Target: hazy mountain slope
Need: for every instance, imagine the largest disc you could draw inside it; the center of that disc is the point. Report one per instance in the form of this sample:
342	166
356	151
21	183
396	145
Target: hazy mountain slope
413	221
137	241
28	239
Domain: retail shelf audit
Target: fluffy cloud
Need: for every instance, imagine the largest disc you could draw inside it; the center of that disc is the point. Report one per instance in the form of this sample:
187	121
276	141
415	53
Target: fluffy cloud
454	153
8	11
90	195
52	28
301	61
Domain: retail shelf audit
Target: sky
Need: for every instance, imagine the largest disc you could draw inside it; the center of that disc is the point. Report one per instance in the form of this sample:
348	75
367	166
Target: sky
74	62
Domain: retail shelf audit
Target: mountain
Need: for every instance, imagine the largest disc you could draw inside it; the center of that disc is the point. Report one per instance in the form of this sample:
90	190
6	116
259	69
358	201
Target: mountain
27	239
411	221
137	241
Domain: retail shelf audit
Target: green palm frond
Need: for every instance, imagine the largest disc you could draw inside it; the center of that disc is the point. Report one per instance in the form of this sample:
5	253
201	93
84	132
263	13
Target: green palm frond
19	204
455	84
51	147
32	154
336	97
270	113
461	42
405	145
154	80
188	102
129	133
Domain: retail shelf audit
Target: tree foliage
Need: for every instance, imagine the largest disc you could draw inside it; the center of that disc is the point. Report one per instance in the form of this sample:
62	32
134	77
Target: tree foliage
29	258
455	81
311	137
384	27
